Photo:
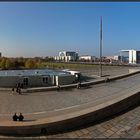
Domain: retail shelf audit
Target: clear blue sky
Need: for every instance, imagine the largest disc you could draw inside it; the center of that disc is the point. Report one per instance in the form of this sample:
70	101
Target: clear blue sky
44	28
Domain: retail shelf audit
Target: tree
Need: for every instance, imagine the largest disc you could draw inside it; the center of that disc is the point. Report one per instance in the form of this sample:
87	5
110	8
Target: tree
30	64
3	62
8	64
21	61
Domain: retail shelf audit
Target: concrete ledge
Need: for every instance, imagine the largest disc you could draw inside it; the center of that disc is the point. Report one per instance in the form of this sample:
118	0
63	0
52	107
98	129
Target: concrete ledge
73	117
123	75
38	89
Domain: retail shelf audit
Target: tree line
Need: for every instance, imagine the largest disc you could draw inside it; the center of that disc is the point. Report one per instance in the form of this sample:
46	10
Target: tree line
23	63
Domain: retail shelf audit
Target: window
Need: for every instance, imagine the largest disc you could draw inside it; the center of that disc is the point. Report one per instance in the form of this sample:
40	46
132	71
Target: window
25	81
45	80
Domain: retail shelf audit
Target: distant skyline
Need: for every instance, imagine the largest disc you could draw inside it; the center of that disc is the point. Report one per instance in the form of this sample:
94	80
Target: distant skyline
31	29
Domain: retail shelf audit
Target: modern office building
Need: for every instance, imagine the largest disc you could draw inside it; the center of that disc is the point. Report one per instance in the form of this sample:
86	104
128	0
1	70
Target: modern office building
130	56
87	57
67	56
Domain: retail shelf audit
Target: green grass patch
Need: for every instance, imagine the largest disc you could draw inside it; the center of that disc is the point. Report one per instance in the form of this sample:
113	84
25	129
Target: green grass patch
56	65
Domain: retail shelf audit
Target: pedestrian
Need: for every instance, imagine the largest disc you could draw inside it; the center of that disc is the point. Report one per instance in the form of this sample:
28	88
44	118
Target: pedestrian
22	85
16	89
13	90
19	90
79	85
18	85
15	117
58	87
21	117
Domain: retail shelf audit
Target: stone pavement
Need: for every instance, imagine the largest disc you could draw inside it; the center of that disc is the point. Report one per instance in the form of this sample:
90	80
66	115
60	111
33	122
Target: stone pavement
122	126
40	104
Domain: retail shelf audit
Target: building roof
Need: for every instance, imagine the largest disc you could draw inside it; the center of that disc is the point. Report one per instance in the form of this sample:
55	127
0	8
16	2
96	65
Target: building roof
33	72
126	50
86	55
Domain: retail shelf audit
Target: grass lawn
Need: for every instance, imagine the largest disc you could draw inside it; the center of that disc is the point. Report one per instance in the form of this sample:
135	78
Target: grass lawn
56	65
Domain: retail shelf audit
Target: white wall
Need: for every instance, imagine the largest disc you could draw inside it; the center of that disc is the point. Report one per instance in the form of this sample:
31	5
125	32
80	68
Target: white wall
132	56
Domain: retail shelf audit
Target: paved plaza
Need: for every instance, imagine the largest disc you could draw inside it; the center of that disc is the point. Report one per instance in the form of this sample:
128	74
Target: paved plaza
123	126
43	104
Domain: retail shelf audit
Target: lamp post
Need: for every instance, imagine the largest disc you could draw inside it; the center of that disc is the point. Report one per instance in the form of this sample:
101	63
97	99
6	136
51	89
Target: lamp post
101	46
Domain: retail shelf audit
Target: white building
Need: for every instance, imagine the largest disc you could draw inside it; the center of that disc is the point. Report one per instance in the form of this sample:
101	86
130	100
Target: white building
87	57
109	57
130	56
113	59
117	57
67	56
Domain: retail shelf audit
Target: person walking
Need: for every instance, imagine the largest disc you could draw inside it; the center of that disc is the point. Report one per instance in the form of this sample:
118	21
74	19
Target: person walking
19	90
58	87
78	85
13	90
16	89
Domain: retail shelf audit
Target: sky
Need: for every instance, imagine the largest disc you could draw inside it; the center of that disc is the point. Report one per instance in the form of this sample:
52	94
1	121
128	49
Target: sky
29	29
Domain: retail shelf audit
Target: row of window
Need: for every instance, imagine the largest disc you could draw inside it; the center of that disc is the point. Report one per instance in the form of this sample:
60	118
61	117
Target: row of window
45	81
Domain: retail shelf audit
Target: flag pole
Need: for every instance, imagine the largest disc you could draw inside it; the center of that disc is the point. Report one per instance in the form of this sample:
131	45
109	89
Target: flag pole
101	46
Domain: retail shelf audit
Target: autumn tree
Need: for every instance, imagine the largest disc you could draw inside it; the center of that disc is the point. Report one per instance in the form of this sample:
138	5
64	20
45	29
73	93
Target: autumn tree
30	64
3	62
8	64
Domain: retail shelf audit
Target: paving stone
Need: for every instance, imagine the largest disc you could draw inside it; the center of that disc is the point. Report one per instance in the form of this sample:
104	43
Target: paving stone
114	129
93	134
127	128
73	135
101	129
100	136
93	128
108	126
85	136
115	136
78	133
107	134
110	132
131	132
84	131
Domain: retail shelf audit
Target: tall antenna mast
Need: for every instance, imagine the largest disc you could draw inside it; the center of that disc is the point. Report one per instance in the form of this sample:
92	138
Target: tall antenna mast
101	46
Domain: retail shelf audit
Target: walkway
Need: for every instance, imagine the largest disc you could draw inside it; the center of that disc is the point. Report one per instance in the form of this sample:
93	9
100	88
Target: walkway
41	104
